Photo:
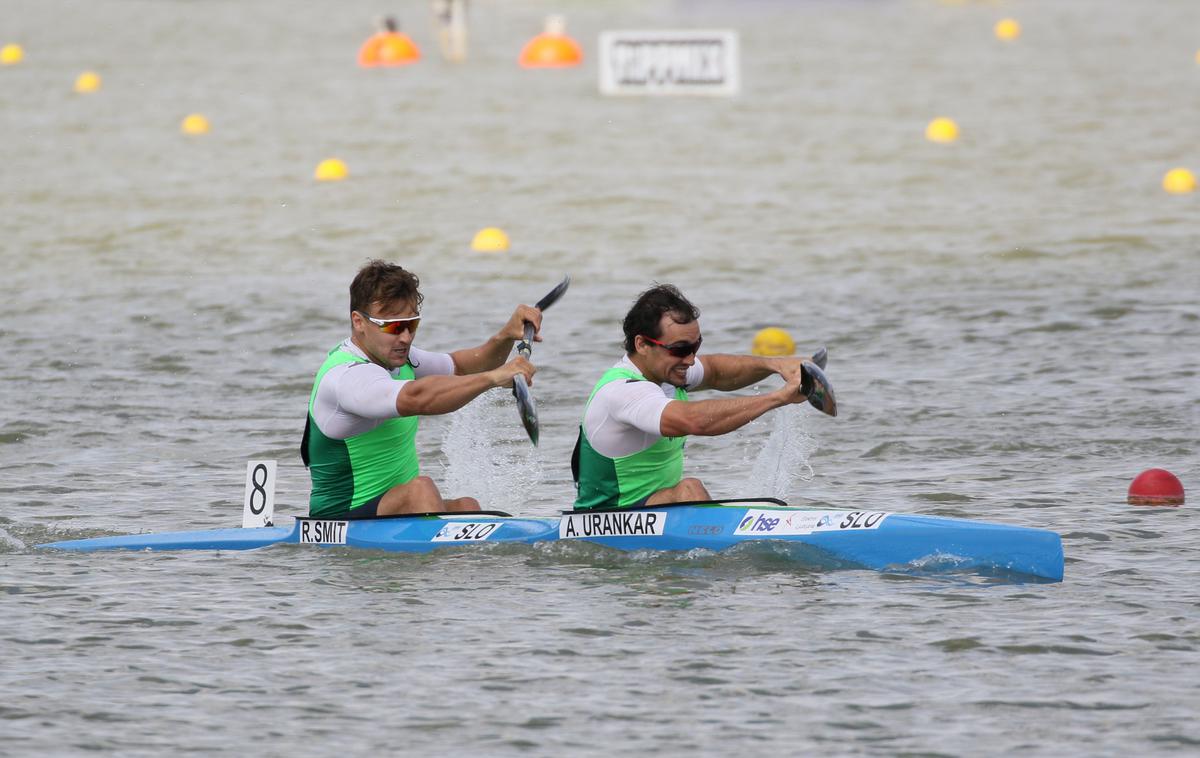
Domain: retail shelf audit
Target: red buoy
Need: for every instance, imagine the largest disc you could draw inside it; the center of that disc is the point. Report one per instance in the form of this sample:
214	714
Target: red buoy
1156	486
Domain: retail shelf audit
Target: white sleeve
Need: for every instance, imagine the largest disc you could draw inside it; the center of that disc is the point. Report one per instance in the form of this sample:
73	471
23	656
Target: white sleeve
368	390
354	398
426	363
638	404
625	417
695	374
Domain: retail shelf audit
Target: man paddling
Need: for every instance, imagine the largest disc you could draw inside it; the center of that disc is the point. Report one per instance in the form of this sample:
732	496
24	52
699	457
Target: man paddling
630	447
360	436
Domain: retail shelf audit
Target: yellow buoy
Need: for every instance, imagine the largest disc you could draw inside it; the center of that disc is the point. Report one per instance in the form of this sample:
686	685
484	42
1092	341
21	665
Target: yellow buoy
490	240
194	124
88	81
1007	29
1179	181
773	341
11	53
941	130
331	170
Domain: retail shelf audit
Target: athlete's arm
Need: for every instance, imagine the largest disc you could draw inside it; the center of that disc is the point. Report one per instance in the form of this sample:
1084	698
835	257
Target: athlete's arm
733	372
493	353
709	418
434	395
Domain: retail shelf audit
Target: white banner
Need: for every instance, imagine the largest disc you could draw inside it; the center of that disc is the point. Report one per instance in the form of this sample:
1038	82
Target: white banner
680	62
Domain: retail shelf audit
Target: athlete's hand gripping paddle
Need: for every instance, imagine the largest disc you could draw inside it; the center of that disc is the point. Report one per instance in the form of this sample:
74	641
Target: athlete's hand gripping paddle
525	405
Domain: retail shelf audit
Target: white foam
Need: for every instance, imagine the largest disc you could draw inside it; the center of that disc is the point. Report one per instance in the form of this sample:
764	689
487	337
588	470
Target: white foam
10	541
783	459
489	456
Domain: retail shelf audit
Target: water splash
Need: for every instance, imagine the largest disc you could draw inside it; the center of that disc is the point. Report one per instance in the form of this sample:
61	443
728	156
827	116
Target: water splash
488	455
9	543
784	458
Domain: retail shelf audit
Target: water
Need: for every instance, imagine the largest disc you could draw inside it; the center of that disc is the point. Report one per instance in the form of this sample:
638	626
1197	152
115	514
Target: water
1013	332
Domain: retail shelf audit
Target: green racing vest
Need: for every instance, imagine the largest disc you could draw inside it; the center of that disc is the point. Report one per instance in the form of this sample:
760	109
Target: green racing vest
347	473
603	482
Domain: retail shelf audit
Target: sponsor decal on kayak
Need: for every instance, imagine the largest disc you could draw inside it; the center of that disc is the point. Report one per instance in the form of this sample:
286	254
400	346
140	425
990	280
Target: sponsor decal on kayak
323	532
466	531
759	523
636	524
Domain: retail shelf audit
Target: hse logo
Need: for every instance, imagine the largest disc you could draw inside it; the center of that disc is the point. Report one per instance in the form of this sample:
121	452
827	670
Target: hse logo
780	522
758	522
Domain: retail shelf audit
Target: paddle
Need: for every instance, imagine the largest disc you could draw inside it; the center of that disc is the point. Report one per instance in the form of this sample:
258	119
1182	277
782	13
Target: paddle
525	404
816	386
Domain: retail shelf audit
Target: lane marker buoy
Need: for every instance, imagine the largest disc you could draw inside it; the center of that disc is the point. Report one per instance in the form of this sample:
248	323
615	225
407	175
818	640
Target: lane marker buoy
1179	181
490	239
1156	486
11	53
1007	29
194	124
88	81
773	341
388	47
942	130
331	170
552	48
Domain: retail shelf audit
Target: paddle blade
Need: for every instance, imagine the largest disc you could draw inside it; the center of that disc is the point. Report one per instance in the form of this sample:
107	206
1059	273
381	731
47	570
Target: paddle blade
526	408
820	357
553	295
816	386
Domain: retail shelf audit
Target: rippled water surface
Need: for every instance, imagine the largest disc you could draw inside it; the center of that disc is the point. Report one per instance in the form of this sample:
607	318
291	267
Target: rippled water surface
1012	320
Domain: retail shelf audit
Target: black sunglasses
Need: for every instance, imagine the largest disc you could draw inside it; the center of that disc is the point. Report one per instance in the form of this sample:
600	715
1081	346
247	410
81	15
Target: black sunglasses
678	349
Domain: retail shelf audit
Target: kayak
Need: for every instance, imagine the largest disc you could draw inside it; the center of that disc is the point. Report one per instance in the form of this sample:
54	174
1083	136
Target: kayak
829	538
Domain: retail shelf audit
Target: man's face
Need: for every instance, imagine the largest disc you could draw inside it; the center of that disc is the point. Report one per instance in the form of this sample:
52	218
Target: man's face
388	350
660	365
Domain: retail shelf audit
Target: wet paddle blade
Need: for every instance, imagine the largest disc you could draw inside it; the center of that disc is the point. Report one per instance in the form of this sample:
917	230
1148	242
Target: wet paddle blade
820	357
553	295
526	408
816	386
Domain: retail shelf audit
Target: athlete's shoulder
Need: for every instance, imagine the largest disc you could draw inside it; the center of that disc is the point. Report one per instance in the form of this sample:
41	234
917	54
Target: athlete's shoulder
430	363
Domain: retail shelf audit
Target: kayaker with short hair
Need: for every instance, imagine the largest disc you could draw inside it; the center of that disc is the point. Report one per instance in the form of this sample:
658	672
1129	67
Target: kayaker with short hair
360	436
629	452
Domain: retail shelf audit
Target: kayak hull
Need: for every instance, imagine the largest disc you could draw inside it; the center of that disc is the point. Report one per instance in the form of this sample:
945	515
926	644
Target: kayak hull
409	534
863	539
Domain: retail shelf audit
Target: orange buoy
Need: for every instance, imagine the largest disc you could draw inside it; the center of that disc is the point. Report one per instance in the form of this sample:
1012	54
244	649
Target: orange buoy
552	48
1156	486
388	47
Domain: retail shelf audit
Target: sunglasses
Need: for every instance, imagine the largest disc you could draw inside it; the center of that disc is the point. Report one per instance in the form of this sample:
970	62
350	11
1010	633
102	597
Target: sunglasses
394	325
677	349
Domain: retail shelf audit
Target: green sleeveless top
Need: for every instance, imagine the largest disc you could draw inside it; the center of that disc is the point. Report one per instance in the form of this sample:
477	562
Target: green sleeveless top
603	482
347	473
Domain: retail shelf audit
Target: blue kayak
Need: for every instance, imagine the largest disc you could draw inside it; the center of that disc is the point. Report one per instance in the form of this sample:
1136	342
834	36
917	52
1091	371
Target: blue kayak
848	539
